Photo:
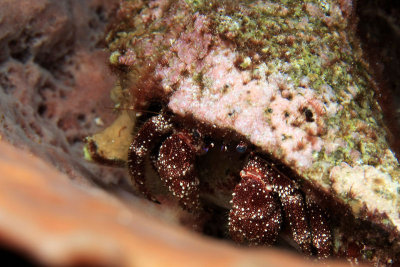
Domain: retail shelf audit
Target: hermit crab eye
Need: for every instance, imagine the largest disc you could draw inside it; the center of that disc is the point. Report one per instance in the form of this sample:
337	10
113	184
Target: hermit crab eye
196	133
241	147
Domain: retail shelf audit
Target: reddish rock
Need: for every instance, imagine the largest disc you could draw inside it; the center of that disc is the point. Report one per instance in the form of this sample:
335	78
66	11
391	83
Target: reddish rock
54	80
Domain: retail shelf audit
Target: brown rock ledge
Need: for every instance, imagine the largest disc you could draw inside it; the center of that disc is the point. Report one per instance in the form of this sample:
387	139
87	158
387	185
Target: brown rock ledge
59	222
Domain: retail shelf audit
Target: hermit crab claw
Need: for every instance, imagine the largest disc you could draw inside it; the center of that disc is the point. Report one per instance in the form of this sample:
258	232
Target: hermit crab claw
147	137
258	201
174	163
176	167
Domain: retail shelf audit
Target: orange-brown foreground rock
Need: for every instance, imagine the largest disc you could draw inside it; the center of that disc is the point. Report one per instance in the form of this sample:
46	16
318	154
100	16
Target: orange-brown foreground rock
59	222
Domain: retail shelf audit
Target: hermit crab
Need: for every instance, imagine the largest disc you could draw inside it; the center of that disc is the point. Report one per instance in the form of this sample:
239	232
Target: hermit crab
255	216
283	88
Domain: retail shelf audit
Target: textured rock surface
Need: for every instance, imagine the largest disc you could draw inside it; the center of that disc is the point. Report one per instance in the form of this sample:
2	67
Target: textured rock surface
54	81
288	76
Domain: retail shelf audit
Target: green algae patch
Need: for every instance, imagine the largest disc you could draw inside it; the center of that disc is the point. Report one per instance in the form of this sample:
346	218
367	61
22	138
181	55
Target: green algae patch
312	43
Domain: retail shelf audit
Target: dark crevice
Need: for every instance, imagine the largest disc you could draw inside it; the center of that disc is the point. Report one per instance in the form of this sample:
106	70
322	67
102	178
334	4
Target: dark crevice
5	82
101	14
379	31
10	257
20	47
81	118
13	257
42	108
61	124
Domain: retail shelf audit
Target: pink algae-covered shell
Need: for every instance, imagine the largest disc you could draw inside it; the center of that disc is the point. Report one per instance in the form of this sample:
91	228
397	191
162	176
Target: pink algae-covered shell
256	109
290	77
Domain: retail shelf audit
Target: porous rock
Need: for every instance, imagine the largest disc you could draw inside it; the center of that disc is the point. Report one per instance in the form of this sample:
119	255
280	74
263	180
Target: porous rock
54	80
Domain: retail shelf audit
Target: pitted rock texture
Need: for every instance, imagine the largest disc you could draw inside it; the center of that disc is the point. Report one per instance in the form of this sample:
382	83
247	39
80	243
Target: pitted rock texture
54	80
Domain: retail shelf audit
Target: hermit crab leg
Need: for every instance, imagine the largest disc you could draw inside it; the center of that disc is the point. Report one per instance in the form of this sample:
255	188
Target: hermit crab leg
321	235
255	217
296	217
255	206
145	140
176	167
293	207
